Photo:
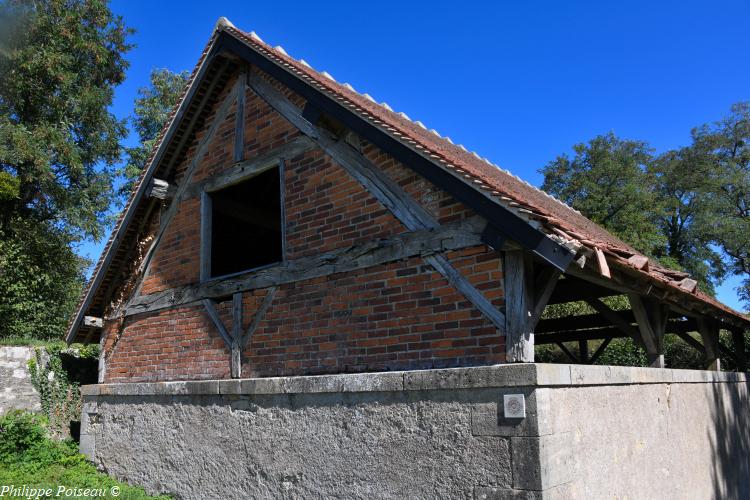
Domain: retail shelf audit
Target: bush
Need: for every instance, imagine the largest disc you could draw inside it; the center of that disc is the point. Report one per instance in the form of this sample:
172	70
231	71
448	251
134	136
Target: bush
29	457
19	432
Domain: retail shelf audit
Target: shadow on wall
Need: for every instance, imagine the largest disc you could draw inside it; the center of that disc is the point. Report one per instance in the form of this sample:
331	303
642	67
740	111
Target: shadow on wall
730	441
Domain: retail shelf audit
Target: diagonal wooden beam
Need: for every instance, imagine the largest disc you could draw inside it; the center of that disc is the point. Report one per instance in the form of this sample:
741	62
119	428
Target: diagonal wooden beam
167	217
615	318
689	340
567	352
410	156
211	311
259	315
544	285
382	187
599	351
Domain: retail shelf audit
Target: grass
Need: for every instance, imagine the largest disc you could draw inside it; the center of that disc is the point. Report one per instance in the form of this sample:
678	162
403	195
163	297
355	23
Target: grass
28	457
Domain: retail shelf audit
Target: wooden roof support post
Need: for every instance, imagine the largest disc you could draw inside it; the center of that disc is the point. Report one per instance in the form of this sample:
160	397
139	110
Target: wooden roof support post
652	317
708	329
519	301
738	337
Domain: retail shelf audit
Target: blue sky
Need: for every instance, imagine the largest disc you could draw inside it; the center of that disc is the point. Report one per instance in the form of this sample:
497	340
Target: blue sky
517	82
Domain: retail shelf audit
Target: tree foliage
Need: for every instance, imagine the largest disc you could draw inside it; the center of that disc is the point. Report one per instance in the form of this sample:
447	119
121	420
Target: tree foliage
726	199
59	63
607	180
151	110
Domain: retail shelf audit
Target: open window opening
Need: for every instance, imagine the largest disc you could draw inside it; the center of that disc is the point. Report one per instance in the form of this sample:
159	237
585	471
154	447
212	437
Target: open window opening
245	225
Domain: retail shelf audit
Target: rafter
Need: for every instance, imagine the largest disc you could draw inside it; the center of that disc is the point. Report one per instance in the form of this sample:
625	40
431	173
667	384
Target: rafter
411	214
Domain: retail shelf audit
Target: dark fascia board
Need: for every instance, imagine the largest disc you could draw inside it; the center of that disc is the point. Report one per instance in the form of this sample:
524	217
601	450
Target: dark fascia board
140	193
502	219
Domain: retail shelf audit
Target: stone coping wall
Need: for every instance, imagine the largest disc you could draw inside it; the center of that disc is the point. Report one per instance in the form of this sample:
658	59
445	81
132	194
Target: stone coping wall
588	432
16	390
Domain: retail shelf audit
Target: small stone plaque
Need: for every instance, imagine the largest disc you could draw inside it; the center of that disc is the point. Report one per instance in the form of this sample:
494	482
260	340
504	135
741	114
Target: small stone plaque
514	406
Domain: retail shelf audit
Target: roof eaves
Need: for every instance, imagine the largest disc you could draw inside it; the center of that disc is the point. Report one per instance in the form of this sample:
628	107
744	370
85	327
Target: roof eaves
141	185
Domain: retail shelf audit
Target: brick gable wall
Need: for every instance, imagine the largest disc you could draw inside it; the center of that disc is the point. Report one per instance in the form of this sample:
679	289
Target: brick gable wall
400	315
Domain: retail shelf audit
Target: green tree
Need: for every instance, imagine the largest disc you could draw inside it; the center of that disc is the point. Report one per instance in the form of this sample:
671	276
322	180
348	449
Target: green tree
608	181
682	180
727	197
59	63
152	108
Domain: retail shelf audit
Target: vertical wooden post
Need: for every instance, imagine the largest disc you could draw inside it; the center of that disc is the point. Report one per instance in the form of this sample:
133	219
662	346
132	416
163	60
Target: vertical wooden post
709	332
239	122
583	350
236	362
652	323
205	243
519	337
738	338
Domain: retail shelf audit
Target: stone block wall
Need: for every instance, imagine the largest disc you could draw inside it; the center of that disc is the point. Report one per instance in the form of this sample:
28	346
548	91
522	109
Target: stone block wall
16	391
588	432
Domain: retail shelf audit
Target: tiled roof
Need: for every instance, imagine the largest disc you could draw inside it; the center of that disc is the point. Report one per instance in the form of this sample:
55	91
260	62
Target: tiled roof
559	220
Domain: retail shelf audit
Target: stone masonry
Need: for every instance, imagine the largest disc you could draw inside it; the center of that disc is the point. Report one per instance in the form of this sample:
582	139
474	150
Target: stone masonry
16	391
588	432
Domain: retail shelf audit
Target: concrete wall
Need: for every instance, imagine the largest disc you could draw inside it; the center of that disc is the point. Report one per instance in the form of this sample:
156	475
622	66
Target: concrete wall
589	432
16	391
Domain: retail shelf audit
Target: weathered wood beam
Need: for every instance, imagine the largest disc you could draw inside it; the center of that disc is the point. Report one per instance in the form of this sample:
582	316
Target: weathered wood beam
167	217
160	189
567	352
239	123
252	167
651	316
427	242
603	333
575	290
544	285
616	319
599	351
222	64
581	322
519	301
691	341
259	315
514	226
214	315
236	362
596	334
709	332
627	280
132	208
411	214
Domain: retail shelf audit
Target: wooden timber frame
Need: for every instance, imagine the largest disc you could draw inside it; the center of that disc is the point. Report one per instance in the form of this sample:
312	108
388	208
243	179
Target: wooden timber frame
538	271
